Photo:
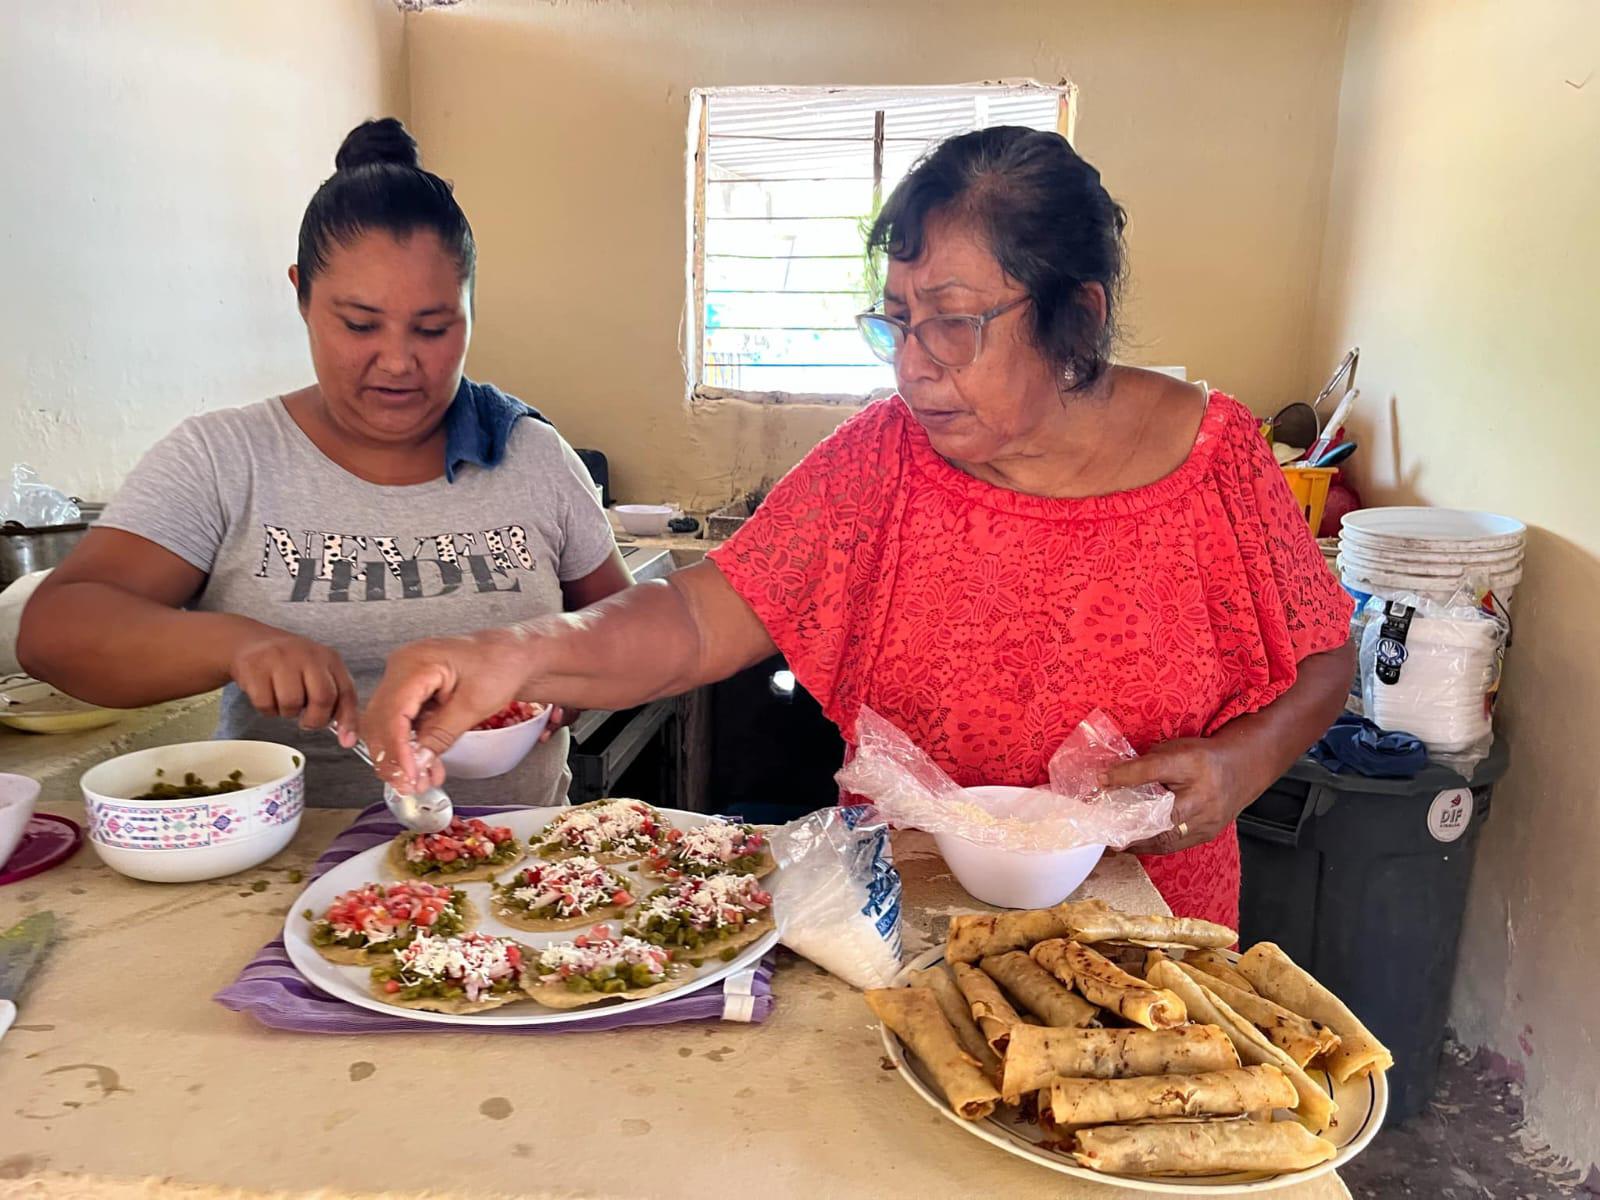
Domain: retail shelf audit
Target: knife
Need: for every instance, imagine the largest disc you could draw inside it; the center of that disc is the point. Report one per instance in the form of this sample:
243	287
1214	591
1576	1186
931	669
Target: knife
21	947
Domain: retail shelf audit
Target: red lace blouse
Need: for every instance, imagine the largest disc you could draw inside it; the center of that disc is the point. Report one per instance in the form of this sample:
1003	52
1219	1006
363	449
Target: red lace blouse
987	623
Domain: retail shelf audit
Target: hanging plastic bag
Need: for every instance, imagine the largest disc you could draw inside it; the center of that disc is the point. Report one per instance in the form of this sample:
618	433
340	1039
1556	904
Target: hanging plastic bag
910	790
34	504
1433	670
837	897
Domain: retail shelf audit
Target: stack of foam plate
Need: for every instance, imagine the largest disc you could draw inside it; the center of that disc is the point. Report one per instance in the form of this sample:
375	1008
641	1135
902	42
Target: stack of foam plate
1430	552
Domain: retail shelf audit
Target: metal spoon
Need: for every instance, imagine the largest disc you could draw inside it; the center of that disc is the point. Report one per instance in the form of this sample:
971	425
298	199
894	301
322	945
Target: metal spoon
426	813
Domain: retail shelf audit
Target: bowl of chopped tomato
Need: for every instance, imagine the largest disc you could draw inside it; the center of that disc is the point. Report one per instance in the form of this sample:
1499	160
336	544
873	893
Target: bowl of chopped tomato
498	743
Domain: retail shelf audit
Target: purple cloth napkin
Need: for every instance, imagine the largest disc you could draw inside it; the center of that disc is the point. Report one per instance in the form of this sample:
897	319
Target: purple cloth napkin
272	991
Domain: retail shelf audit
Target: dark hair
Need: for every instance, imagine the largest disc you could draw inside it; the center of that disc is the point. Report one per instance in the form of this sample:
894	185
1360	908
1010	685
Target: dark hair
1049	222
379	183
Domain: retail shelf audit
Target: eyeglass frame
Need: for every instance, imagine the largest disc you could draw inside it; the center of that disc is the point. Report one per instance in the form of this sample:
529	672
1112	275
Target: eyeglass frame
978	322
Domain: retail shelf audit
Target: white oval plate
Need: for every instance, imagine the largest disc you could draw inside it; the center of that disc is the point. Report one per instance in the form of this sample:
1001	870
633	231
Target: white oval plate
351	983
1362	1105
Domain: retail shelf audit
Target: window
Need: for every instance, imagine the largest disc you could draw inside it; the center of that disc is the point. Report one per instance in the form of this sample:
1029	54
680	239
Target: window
784	185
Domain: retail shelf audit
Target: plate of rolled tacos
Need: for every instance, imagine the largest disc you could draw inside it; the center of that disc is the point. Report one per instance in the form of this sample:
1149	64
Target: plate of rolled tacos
1135	1050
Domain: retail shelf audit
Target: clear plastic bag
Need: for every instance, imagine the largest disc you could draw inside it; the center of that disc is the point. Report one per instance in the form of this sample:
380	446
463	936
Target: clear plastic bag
836	898
910	790
34	504
1433	670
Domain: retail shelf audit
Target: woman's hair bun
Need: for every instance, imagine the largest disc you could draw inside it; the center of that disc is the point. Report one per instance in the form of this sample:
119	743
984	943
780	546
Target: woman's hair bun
385	140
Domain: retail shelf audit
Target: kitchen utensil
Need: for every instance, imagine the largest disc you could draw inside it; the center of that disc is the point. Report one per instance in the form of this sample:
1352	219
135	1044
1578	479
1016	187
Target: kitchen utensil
1015	878
644	520
1296	425
1336	454
25	549
29	705
426	813
203	837
354	984
1335	423
21	947
487	753
17	794
47	841
1344	373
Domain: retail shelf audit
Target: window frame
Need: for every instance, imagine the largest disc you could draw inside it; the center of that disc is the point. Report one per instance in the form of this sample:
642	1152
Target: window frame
693	348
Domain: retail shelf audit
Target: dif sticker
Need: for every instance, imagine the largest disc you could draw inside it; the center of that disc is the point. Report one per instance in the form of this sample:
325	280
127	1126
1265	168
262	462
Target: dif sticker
1450	814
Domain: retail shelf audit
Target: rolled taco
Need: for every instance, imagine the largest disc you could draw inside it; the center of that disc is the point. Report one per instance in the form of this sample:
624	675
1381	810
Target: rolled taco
979	935
990	1009
1301	1038
1038	991
913	1015
1316	1108
1108	985
1078	1102
1214	963
1200	1148
953	1004
1037	1056
1275	975
1092	921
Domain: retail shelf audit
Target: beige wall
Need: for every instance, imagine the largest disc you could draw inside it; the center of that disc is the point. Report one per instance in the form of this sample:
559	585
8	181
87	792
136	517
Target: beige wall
158	156
1463	255
564	128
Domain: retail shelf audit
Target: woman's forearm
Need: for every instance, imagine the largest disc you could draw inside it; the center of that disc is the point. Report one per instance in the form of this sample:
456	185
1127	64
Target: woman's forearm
108	646
1268	742
653	640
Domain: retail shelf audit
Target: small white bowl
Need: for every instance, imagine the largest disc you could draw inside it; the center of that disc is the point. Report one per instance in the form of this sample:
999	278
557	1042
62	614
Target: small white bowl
485	753
1015	878
17	794
644	520
181	841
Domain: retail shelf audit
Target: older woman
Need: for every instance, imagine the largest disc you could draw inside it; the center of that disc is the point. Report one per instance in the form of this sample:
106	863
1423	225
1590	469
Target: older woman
284	548
1023	534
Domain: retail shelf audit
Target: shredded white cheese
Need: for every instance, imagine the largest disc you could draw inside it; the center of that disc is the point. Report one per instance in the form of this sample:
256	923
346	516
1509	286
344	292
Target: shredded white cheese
714	902
574	886
569	958
475	961
621	824
714	843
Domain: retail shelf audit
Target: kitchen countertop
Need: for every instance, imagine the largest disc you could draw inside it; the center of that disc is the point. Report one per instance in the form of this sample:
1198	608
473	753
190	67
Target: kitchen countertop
122	1071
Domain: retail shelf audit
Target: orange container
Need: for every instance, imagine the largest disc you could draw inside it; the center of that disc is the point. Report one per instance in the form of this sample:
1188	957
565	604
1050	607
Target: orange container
1310	488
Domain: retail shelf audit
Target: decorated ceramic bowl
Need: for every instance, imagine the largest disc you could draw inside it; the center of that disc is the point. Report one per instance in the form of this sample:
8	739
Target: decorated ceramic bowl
180	839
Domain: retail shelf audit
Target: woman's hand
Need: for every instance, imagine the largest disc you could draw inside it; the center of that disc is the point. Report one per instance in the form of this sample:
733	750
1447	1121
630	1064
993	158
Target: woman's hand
285	675
433	692
1208	788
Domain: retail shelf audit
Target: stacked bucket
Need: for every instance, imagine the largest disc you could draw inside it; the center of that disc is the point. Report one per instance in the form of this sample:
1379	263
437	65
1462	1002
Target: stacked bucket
1430	552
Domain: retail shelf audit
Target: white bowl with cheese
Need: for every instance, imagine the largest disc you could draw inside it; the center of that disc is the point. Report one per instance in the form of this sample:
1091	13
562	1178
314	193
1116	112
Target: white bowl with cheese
1015	878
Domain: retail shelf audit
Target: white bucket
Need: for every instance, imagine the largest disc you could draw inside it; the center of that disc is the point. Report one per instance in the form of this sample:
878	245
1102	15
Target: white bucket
1439	529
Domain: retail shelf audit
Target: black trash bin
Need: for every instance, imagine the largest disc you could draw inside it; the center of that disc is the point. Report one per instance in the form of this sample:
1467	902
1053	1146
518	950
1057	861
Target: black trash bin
1363	882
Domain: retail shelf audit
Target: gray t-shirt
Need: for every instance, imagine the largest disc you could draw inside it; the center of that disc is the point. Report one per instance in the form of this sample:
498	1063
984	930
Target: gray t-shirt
289	538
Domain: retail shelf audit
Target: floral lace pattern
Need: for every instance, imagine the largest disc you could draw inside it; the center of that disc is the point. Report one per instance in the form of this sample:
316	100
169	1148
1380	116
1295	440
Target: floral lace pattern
987	623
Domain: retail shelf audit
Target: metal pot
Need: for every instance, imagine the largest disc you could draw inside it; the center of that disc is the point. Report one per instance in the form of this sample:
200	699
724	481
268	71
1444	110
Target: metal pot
25	549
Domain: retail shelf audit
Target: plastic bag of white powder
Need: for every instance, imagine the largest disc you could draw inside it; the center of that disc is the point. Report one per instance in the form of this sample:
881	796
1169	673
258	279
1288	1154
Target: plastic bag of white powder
837	897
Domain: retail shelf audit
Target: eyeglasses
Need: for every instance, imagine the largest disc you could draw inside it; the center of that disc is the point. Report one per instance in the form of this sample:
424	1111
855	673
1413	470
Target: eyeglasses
955	340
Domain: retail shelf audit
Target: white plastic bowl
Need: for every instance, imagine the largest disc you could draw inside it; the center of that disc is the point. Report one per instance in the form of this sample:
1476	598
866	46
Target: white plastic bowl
181	841
17	794
1015	878
644	520
485	753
